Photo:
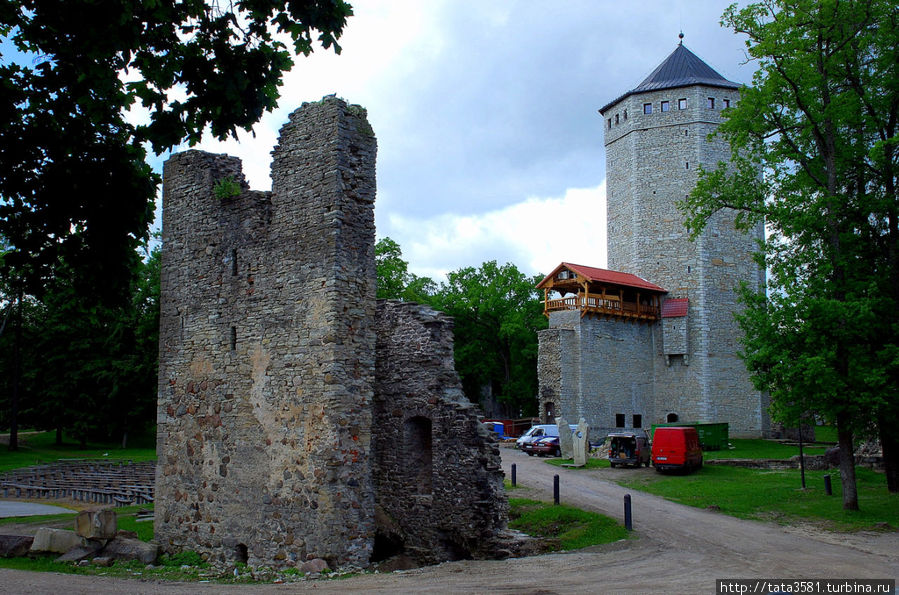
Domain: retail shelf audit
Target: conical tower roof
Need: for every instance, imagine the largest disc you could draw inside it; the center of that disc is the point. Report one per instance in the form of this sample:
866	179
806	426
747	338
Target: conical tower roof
682	68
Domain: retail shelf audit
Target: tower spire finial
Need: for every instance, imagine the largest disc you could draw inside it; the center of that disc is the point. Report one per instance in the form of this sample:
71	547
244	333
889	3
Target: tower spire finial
681	37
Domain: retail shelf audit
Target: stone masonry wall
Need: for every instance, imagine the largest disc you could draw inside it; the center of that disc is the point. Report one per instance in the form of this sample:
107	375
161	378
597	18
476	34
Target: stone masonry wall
438	475
267	452
267	351
652	162
614	375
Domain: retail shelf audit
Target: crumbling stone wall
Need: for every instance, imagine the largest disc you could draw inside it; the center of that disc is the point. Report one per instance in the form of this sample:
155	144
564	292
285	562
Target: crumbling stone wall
438	476
267	350
267	365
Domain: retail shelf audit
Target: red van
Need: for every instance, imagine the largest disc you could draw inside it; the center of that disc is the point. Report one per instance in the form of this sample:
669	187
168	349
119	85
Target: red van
676	448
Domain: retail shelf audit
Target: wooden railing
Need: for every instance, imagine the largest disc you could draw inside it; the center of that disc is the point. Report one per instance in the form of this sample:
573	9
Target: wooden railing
604	305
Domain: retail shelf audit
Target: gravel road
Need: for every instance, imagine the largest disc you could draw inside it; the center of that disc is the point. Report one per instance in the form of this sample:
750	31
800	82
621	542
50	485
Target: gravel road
678	550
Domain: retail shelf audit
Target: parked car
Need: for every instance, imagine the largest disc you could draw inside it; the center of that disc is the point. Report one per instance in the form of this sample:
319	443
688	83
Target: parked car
676	449
548	445
538	432
528	440
629	448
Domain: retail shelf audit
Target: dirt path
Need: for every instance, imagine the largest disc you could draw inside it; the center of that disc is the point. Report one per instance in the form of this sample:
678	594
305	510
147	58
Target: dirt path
678	550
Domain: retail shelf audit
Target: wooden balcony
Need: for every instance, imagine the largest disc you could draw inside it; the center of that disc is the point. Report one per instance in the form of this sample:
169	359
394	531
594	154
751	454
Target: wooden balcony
605	305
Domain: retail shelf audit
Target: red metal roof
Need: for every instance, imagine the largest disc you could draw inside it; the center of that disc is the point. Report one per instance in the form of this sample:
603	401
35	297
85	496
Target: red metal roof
675	308
594	274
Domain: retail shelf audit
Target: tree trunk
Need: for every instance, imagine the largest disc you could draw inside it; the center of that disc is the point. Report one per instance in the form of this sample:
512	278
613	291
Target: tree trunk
17	377
889	443
58	435
847	463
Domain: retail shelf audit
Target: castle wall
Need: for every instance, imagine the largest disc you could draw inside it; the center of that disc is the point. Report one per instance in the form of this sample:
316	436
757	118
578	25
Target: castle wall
438	473
604	364
268	382
267	349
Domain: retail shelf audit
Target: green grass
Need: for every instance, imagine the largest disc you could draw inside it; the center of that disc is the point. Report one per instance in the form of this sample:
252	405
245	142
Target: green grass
40	448
39	520
592	463
565	527
762	449
126	519
777	495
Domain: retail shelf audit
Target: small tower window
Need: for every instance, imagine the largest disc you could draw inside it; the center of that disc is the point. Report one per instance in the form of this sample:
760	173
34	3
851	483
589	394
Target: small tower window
672	418
682	103
233	338
619	420
616	119
687	164
233	262
610	123
710	103
647	108
638	420
625	115
726	103
666	106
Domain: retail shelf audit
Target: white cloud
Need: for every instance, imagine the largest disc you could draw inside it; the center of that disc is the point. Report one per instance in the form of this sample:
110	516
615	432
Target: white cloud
535	235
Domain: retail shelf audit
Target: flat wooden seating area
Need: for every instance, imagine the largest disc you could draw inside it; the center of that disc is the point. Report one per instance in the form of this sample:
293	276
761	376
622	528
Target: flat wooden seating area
120	483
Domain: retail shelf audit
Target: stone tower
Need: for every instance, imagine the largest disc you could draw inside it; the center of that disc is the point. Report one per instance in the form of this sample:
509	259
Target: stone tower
267	352
656	137
297	417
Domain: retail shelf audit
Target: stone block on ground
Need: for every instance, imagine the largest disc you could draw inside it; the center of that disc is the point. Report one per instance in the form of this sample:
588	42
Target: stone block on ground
96	524
55	541
14	546
82	552
124	548
314	565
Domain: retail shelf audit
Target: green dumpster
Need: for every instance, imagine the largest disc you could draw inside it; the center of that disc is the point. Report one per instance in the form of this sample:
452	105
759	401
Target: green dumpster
712	436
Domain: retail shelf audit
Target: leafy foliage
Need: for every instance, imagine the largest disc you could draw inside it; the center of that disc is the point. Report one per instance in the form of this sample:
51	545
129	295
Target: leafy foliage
95	83
820	124
497	313
89	368
85	88
395	282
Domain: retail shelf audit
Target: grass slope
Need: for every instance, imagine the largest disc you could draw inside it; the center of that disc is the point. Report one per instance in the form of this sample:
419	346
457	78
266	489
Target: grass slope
569	527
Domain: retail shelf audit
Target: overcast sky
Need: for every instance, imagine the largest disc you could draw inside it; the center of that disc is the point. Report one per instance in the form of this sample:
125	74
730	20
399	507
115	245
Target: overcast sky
489	140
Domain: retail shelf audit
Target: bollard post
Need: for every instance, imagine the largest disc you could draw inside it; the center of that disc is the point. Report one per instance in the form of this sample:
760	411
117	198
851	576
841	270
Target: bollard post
827	487
556	490
628	517
513	473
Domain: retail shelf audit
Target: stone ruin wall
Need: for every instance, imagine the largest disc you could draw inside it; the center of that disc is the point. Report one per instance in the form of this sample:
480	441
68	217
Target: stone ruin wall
267	351
439	480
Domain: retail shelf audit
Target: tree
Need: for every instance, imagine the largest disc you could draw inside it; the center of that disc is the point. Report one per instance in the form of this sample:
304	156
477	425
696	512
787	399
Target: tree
74	184
90	369
497	314
820	124
395	282
95	85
